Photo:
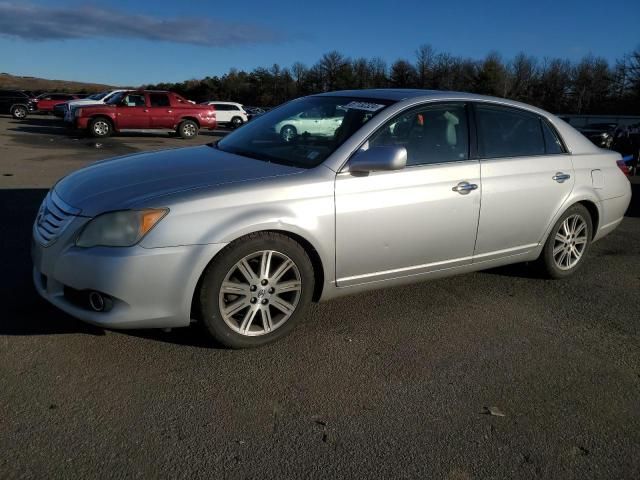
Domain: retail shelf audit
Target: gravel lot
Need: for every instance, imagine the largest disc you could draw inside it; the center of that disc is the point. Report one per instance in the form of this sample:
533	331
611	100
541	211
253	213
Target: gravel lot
389	384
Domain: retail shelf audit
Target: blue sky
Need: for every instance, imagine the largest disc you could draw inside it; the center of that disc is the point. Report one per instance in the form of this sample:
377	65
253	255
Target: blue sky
131	43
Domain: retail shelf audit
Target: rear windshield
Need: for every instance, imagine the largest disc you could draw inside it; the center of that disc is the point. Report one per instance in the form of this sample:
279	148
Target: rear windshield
304	132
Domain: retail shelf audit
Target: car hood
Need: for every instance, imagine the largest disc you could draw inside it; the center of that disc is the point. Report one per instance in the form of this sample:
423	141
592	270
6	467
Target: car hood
82	102
136	180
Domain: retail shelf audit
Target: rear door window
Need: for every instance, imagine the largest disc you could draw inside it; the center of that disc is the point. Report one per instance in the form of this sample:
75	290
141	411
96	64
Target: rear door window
134	100
552	143
159	100
508	132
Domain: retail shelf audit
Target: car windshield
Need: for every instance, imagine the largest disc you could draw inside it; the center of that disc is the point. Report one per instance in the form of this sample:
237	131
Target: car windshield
304	132
115	99
98	96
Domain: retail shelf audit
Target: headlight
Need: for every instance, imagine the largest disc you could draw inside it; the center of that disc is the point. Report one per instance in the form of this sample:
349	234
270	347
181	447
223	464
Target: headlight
119	229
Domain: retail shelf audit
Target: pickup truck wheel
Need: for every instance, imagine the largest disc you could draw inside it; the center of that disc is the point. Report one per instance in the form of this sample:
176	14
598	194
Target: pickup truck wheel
19	112
188	129
100	127
236	122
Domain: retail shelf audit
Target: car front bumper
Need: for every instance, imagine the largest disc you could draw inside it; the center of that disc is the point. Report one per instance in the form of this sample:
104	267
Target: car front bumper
144	287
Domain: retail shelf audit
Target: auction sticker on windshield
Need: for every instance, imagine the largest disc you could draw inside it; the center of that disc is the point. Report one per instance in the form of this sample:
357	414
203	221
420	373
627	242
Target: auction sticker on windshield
370	107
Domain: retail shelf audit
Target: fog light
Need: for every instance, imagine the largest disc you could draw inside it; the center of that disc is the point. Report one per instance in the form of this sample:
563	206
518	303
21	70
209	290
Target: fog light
96	301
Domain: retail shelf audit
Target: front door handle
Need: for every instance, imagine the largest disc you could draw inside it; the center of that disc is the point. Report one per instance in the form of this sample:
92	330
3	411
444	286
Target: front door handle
463	188
561	177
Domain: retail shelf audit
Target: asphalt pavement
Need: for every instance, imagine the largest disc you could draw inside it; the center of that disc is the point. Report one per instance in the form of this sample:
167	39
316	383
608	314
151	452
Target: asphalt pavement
397	383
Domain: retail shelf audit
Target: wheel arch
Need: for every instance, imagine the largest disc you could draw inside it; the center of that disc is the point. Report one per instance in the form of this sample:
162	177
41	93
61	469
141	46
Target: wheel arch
188	117
586	201
102	115
317	264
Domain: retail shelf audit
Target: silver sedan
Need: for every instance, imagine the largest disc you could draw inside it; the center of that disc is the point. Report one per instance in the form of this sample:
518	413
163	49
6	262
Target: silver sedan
243	234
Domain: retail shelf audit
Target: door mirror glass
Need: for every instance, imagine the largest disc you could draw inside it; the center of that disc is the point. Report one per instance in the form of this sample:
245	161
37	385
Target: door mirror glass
387	157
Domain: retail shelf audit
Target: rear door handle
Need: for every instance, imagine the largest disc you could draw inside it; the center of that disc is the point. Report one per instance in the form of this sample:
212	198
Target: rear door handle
463	188
561	177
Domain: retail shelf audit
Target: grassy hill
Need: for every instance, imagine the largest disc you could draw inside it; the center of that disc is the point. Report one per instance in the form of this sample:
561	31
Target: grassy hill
36	84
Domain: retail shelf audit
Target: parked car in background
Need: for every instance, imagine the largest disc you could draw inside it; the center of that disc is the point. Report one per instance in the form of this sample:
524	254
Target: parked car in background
601	134
229	114
253	112
17	102
314	122
626	141
47	101
66	109
145	110
243	234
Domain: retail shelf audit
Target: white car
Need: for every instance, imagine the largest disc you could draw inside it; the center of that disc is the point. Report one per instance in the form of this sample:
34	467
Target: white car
312	122
94	99
229	114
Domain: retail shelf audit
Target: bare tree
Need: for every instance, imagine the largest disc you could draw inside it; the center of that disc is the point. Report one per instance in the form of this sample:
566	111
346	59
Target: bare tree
425	59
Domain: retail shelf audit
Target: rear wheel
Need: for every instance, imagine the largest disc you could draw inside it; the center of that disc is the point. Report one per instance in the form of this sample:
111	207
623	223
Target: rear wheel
188	129
19	112
568	243
100	127
256	290
236	122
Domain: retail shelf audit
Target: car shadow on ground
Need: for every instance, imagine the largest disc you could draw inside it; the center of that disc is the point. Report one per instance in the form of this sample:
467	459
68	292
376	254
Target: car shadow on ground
23	311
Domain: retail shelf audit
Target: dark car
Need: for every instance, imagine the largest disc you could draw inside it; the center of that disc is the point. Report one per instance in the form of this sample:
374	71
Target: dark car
16	102
626	141
253	112
601	134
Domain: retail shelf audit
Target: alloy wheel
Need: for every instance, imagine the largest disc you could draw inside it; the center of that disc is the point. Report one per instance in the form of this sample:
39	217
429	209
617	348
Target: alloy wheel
570	242
288	134
101	128
189	130
20	112
260	293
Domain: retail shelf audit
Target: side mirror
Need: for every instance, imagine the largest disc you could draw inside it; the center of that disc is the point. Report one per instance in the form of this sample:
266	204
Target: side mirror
388	157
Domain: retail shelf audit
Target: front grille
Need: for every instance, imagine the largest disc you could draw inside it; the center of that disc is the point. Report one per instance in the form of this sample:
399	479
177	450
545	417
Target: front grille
53	217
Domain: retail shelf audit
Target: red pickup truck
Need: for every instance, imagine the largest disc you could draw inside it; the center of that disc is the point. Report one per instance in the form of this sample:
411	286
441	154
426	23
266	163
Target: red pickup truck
145	110
47	101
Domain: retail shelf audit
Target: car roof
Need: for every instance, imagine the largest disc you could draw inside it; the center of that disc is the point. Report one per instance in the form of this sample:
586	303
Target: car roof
224	103
407	94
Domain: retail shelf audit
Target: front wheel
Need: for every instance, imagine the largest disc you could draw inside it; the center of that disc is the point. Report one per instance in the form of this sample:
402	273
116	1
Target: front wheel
568	243
100	127
188	129
19	112
288	133
256	290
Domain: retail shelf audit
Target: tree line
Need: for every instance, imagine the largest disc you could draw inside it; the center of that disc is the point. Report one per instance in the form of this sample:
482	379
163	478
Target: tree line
591	85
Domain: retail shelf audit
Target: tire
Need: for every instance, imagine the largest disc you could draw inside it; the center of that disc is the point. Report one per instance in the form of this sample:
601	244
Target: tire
240	327
236	122
188	129
100	127
562	255
288	133
19	112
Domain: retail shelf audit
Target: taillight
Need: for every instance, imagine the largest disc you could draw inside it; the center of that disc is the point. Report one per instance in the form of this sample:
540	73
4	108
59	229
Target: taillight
624	167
